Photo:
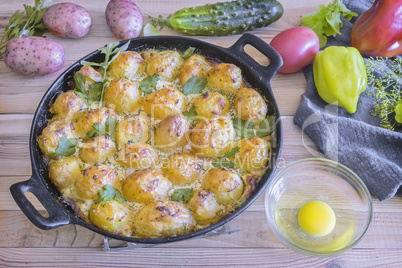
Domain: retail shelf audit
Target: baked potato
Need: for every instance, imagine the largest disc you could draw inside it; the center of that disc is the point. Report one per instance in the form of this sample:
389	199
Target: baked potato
66	105
138	156
63	171
249	105
122	95
133	128
226	77
211	104
52	134
165	63
194	65
182	168
84	122
253	154
163	102
171	132
97	149
204	206
126	65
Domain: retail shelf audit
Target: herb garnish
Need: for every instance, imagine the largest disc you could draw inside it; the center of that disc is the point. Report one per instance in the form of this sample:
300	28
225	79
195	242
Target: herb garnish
29	23
182	195
99	130
190	114
94	90
246	130
66	147
194	85
108	193
149	83
224	160
188	53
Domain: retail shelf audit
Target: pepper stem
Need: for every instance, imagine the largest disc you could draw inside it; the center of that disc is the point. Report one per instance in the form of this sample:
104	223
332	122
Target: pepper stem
158	21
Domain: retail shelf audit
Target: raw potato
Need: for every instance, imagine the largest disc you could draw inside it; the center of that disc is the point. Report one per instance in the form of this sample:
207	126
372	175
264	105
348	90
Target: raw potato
52	134
97	149
66	105
226	77
253	154
249	105
92	179
122	95
182	169
67	20
211	104
113	217
146	186
171	132
163	219
33	55
126	65
124	18
204	206
225	184
64	170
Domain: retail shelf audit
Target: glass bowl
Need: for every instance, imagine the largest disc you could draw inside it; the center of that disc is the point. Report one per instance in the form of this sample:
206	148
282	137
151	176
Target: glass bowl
312	179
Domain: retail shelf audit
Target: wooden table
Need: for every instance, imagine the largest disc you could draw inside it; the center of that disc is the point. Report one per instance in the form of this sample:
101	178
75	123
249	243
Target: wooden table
22	244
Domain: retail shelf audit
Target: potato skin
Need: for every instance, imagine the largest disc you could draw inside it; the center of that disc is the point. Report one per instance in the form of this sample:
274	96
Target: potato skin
67	20
211	104
226	77
212	137
83	122
97	149
51	135
171	132
204	206
126	65
64	170
122	95
124	18
146	186
138	156
194	65
165	63
182	168
45	55
113	217
164	102
249	105
133	128
93	178
66	105
163	219
225	184
253	154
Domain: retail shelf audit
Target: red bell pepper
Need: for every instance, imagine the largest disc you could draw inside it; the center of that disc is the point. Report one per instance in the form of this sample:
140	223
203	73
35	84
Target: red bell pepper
378	31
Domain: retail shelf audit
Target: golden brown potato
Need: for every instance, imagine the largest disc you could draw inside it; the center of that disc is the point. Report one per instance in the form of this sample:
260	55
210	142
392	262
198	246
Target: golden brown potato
97	149
182	169
51	135
211	104
122	95
225	184
249	105
164	102
113	217
133	128
126	65
165	63
91	75
138	156
66	105
93	178
146	186
64	170
194	65
204	206
253	154
171	132
212	137
84	122
163	219
226	77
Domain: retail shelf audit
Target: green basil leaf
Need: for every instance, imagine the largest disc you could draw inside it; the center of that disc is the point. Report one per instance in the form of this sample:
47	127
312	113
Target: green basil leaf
188	53
194	85
149	83
66	147
108	193
182	195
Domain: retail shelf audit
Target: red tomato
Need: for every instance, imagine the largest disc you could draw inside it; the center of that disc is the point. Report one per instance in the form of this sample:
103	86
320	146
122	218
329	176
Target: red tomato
297	46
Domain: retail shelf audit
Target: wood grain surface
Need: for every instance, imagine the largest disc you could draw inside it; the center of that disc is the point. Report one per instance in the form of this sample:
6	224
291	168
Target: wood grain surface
24	245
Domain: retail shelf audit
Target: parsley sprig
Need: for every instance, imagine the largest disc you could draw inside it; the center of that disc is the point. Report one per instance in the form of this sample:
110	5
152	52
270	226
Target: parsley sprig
66	147
182	195
99	129
190	114
27	23
224	160
94	91
246	130
194	85
108	193
149	83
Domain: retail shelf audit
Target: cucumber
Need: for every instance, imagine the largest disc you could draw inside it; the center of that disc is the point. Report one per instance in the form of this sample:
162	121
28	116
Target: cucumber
224	18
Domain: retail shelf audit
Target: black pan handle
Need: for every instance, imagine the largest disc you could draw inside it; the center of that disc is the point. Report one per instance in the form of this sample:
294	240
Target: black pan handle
57	216
275	60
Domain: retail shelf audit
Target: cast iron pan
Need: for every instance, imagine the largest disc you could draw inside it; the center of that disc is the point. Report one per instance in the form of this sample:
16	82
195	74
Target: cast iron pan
60	213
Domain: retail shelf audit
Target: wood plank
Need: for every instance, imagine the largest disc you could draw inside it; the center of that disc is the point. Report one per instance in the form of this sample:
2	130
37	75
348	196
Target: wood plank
206	257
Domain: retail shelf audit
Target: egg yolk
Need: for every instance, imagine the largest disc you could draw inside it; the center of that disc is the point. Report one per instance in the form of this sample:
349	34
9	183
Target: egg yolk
316	218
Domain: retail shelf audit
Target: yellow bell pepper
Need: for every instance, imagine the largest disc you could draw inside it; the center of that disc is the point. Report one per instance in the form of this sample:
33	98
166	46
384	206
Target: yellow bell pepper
340	76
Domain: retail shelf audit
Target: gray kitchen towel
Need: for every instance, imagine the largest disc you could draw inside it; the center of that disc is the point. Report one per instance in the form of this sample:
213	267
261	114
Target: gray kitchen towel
355	140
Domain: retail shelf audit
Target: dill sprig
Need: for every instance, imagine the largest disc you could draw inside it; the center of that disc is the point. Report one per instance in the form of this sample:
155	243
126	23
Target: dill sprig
384	79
